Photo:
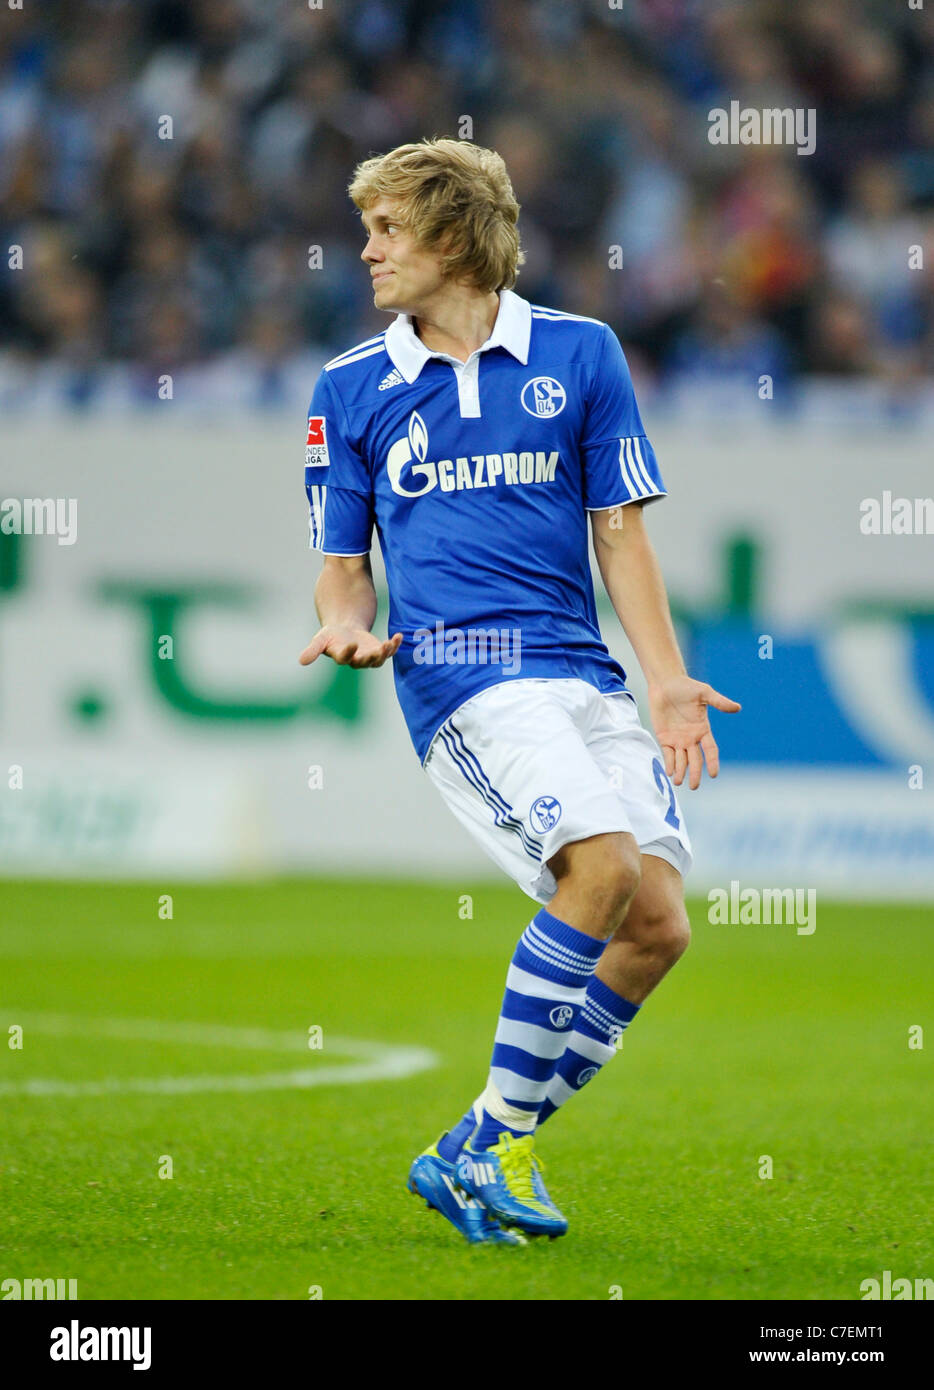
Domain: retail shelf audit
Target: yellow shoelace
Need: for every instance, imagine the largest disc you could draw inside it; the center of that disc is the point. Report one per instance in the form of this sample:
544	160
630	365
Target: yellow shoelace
519	1164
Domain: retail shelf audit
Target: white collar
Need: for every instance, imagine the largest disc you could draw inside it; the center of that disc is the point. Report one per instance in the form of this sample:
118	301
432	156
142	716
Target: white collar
512	330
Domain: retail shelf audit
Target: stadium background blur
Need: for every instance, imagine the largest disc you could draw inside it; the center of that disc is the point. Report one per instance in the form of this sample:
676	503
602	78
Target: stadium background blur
189	255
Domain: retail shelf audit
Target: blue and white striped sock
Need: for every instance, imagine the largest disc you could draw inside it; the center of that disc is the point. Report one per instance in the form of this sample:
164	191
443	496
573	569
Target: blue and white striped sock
603	1019
545	988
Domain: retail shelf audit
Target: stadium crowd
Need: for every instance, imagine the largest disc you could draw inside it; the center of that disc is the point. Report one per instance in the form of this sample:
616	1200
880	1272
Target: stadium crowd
182	246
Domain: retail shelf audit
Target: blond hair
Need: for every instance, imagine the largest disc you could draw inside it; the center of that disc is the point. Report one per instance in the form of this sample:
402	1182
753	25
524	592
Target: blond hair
455	196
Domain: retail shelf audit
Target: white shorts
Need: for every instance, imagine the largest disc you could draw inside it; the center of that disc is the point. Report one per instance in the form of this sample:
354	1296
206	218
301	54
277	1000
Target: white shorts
531	765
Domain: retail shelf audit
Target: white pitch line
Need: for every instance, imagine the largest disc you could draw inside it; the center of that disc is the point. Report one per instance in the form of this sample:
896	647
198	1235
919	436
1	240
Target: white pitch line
374	1061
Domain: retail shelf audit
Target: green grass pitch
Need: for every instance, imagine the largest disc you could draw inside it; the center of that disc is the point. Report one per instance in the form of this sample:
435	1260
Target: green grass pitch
761	1042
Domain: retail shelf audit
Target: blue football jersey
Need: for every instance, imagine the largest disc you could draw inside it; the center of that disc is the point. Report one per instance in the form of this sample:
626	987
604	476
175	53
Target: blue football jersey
478	477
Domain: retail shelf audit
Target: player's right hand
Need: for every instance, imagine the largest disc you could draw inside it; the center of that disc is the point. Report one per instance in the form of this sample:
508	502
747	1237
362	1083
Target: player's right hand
350	646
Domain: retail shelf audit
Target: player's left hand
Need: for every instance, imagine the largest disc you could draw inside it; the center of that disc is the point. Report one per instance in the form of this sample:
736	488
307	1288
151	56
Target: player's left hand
679	714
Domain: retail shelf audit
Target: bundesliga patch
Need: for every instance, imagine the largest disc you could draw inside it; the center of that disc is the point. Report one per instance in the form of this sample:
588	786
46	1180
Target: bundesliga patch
316	445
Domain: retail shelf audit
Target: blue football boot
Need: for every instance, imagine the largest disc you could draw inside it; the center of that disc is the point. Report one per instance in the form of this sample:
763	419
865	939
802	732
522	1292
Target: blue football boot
433	1178
507	1180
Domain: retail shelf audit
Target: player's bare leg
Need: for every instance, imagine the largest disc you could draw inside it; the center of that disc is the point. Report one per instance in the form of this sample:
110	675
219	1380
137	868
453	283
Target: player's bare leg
653	936
598	878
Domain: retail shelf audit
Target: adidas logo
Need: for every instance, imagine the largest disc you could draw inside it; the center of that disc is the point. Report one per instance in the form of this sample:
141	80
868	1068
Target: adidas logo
395	378
483	1172
463	1199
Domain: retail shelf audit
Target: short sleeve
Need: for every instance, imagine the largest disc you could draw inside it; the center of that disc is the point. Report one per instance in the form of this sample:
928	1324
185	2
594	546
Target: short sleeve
337	481
619	463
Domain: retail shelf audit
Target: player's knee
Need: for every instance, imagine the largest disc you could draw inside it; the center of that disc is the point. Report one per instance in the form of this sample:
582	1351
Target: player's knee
664	930
601	875
676	934
614	881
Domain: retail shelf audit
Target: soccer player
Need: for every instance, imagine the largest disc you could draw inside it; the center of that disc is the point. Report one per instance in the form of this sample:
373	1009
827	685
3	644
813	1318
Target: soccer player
477	433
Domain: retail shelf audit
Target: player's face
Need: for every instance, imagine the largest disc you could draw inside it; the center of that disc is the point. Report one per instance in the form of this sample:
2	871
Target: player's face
405	276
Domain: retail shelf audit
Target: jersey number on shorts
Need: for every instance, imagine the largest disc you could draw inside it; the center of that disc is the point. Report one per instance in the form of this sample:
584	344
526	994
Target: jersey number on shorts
666	789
